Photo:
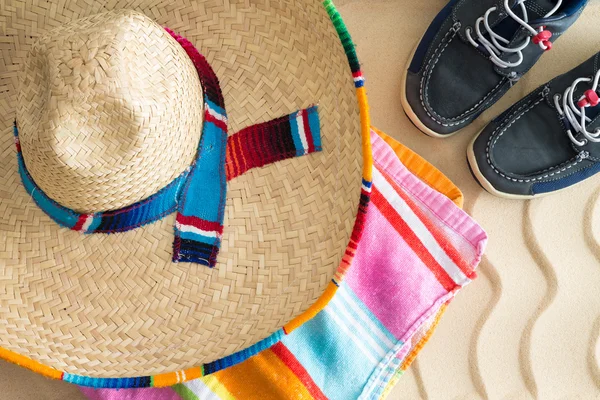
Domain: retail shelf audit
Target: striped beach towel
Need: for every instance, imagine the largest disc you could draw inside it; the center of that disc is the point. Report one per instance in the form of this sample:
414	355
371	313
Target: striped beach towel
418	249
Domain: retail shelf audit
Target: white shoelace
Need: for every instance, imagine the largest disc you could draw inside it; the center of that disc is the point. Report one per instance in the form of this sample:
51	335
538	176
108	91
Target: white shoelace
496	46
575	113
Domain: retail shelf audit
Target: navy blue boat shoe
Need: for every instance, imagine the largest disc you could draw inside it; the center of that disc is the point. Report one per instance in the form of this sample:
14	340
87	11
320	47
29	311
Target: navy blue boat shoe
473	52
546	142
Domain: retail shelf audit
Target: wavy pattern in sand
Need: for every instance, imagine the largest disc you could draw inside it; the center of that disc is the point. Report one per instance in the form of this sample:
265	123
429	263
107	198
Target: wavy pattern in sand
547	269
593	243
489	271
592	224
562	241
593	358
419	380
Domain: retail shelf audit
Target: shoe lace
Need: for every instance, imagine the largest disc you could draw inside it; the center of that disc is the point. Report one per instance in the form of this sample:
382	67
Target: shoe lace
495	45
575	113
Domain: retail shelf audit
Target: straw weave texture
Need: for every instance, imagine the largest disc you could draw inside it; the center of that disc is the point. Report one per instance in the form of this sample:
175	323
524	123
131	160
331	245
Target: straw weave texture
115	305
108	111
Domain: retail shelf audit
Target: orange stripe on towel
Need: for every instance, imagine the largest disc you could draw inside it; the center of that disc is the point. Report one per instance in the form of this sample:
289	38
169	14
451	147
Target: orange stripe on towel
421	343
264	376
424	170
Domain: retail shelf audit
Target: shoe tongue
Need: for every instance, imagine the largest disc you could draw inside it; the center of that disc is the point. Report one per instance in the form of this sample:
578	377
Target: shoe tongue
537	9
592	113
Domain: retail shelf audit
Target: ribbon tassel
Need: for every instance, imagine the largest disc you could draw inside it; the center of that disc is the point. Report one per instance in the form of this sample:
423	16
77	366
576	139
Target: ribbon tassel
199	222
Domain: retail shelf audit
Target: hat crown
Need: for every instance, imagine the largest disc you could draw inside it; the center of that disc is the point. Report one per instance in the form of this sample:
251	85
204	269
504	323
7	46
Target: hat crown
109	111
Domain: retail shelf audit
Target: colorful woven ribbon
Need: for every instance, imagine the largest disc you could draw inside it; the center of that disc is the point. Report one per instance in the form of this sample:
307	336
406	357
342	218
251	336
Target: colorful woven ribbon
198	195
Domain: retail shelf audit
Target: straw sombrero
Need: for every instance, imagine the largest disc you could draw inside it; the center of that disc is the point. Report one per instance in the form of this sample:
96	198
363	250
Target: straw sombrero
176	196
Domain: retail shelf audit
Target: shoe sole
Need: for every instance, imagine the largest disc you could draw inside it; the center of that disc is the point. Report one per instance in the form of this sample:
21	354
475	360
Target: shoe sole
472	161
408	109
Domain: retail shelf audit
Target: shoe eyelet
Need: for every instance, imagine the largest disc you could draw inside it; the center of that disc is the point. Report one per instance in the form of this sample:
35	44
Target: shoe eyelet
546	91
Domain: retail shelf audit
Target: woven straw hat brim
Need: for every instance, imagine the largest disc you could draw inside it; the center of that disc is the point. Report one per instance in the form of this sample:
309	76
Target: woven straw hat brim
115	305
